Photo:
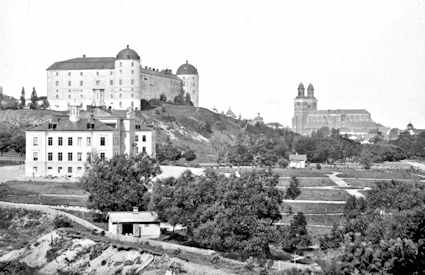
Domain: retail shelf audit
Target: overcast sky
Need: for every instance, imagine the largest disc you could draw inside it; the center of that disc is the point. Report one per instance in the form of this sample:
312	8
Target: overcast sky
250	55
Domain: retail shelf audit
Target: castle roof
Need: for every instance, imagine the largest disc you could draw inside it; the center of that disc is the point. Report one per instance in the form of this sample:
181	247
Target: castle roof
64	124
187	69
84	63
128	53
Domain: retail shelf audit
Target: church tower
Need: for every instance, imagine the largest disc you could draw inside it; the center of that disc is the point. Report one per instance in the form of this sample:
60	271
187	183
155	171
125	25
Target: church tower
303	105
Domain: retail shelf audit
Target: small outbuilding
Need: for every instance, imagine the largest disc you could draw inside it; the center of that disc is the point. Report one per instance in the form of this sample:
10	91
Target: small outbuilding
143	224
297	160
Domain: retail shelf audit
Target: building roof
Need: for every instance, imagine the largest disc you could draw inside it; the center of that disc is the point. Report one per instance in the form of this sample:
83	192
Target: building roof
339	111
128	54
187	68
297	157
133	216
64	124
84	63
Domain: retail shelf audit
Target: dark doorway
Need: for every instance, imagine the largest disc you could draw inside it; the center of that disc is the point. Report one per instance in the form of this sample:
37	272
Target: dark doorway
127	228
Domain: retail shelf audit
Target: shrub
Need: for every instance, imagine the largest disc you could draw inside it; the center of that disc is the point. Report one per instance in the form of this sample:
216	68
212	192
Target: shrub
318	166
61	221
189	155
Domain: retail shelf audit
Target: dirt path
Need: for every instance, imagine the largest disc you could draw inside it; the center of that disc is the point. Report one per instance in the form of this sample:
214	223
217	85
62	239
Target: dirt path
341	183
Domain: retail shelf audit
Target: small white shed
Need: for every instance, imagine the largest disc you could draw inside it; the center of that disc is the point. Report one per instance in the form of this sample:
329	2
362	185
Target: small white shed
297	161
143	224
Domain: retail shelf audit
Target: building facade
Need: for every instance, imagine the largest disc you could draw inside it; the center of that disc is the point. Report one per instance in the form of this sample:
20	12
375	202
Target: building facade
141	224
356	123
61	148
119	83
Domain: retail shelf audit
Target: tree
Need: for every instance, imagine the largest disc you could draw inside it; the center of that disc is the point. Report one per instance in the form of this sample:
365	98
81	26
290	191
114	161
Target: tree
297	237
45	105
179	99
188	100
189	155
292	192
163	98
230	214
34	99
120	183
22	99
167	151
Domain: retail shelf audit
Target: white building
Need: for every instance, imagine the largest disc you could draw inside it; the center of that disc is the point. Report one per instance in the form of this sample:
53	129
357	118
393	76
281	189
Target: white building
297	161
61	148
141	224
117	82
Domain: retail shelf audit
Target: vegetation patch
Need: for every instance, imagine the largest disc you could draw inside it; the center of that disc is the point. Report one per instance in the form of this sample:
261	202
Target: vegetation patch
323	194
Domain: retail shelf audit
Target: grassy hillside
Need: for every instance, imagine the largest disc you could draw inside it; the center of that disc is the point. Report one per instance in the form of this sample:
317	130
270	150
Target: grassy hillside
199	129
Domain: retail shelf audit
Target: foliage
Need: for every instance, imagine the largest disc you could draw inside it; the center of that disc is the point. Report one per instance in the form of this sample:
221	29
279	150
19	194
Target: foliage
293	191
189	155
61	221
167	152
231	214
412	145
12	139
119	183
34	99
297	236
22	99
45	104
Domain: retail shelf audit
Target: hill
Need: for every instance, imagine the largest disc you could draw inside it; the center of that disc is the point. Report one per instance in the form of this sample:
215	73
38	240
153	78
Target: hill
199	129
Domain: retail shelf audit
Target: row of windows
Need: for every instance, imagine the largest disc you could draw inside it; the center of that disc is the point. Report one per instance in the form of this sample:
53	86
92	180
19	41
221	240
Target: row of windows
97	73
70	141
79	168
70	155
111	82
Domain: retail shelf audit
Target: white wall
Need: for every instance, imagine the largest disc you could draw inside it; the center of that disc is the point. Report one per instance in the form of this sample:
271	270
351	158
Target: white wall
191	86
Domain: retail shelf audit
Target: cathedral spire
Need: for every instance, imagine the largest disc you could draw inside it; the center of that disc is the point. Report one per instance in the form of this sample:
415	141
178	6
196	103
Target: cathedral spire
301	90
310	90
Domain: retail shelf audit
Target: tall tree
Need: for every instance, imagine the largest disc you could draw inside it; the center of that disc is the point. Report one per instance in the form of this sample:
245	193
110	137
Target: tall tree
119	183
34	99
22	99
293	191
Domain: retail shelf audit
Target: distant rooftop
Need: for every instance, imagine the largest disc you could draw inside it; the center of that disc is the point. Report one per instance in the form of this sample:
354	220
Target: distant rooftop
84	63
64	124
133	216
297	157
340	111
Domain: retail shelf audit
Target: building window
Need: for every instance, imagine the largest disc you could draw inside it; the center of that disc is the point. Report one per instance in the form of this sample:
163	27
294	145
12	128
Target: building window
79	141
79	168
57	96
102	141
88	141
69	73
120	64
120	104
70	170
69	83
143	149
60	156
144	138
132	71
57	73
57	83
70	156
132	64
97	82
102	156
120	81
49	156
81	83
132	82
136	138
59	169
111	82
97	73
88	157
35	141
49	168
79	156
132	95
69	96
70	141
115	141
81	73
35	156
60	141
120	95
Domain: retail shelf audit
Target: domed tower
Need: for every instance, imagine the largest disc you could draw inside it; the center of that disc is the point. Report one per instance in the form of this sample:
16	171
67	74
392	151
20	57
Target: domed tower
303	105
189	75
126	81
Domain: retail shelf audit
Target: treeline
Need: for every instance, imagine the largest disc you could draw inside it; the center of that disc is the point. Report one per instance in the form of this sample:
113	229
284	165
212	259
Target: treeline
382	234
12	139
36	102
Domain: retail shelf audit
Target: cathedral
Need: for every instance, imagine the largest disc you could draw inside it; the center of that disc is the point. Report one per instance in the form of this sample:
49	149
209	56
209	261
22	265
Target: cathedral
356	123
119	83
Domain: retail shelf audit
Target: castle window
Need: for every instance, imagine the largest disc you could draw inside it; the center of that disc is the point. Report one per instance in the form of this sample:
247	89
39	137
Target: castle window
120	65
120	81
132	81
69	96
57	96
81	83
60	141
50	156
136	138
50	141
69	170
69	156
132	64
35	156
57	83
81	73
132	71
35	141
57	73
97	82
120	95
111	82
69	73
97	73
60	156
88	156
102	156
102	141
69	83
70	141
144	138
88	141
79	156
79	141
110	72
132	95
120	104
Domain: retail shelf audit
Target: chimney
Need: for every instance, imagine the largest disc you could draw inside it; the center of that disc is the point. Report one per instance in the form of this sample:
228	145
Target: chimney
135	209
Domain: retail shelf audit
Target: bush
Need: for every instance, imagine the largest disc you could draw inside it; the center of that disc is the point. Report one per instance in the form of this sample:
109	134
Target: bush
189	155
61	221
318	166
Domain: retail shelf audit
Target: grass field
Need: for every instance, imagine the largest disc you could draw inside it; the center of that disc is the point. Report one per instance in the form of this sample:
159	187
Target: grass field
305	172
26	193
307	182
316	208
378	174
328	220
42	187
324	195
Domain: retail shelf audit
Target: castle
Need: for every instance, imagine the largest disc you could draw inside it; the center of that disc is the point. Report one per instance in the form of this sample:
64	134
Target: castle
118	83
356	123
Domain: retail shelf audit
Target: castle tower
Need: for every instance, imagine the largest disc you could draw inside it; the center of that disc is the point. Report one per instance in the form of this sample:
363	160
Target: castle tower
189	75
127	93
303	105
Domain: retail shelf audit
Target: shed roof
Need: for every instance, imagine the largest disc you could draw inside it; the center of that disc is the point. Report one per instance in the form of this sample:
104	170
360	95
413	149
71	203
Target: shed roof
133	216
297	157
